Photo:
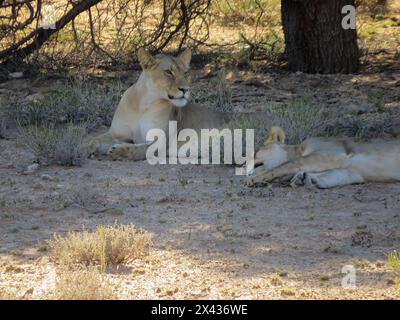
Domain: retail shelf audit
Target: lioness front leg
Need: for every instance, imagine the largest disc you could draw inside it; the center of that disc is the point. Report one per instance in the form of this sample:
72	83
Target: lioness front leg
311	163
128	151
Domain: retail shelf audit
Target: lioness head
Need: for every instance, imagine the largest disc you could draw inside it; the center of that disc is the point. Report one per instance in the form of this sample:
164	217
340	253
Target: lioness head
167	75
274	152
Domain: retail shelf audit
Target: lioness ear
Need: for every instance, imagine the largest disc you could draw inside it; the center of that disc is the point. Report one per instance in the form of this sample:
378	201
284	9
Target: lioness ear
146	59
185	58
276	135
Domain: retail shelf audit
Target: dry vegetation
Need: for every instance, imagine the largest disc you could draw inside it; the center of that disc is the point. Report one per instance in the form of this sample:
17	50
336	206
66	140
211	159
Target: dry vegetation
394	262
7	295
81	259
61	145
82	284
108	245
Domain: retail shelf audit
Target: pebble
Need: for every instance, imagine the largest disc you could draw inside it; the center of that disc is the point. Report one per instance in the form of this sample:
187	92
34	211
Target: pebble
35	97
15	75
47	177
32	168
38	186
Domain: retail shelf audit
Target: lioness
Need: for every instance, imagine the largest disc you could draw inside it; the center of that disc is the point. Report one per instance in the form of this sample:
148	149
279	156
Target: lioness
326	162
161	94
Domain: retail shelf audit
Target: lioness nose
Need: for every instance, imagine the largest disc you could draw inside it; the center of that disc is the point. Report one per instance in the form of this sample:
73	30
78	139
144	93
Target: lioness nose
184	90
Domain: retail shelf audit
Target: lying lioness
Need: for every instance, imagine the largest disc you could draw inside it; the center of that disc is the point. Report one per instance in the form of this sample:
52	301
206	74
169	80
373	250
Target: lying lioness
160	95
326	162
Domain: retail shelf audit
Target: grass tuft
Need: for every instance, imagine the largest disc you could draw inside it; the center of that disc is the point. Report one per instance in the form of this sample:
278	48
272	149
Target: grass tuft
82	284
299	118
75	102
394	262
108	245
55	145
217	96
5	294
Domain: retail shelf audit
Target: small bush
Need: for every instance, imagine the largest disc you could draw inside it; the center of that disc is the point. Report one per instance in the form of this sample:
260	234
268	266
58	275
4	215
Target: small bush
362	128
114	244
82	284
218	96
55	145
76	102
299	118
259	122
394	262
86	196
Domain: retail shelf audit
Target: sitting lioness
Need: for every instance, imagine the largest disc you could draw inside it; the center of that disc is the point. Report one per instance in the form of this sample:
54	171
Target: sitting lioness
326	162
161	94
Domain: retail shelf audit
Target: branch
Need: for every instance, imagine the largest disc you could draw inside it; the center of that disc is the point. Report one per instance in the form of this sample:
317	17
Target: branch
40	35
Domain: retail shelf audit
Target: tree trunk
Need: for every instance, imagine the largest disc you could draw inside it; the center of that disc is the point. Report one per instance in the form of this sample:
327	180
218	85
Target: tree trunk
315	40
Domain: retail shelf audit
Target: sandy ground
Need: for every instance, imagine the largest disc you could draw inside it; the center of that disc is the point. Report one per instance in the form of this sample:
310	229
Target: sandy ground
213	237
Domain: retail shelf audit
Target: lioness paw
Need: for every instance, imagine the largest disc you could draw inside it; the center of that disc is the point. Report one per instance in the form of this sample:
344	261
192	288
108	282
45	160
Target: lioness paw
127	151
120	151
254	182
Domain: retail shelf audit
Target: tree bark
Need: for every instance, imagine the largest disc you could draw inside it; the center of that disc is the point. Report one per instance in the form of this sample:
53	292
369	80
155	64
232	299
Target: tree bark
315	40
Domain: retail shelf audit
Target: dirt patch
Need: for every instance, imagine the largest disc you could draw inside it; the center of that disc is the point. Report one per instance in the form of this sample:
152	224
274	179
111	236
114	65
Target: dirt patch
213	237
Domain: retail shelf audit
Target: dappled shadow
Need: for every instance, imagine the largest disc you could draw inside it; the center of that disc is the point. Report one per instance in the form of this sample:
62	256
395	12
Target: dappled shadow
203	215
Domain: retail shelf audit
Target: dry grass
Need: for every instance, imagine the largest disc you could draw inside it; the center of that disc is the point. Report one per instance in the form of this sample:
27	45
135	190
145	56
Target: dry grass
55	145
299	118
112	244
78	101
5	294
394	262
217	95
82	284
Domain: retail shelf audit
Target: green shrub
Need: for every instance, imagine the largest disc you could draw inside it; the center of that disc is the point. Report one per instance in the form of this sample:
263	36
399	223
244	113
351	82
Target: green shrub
55	145
298	118
218	95
76	102
259	122
361	128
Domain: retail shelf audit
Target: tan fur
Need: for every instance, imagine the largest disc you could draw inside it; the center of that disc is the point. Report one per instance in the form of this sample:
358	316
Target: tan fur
275	135
161	94
328	162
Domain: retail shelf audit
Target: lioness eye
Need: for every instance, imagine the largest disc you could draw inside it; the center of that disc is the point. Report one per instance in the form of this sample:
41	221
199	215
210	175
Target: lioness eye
169	73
